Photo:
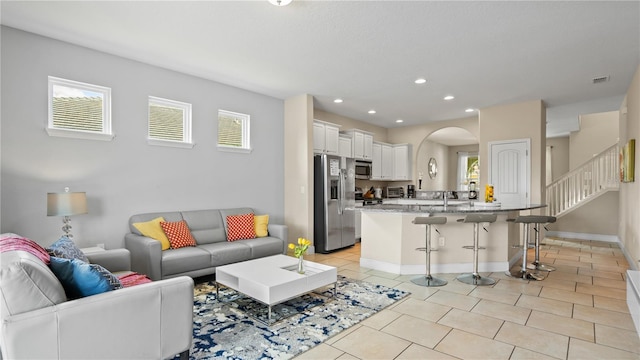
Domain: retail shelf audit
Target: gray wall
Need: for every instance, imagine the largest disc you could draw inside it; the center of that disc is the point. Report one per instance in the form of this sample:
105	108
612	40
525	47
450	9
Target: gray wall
125	176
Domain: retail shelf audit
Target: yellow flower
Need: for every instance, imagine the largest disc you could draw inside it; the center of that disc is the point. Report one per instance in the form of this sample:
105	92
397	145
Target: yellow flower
300	249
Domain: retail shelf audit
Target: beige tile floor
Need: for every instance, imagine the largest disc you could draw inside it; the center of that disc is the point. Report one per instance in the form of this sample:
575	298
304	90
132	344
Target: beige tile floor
576	312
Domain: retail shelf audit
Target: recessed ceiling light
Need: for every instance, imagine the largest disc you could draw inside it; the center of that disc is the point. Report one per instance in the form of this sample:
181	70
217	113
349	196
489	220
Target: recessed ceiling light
280	2
372	111
470	110
420	81
399	120
449	97
337	101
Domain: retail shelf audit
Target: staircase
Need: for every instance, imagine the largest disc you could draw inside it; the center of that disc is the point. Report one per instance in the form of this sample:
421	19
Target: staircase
578	187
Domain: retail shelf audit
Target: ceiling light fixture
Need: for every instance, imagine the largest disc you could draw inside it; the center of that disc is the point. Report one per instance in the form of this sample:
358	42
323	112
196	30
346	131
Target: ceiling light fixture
449	97
337	101
470	110
420	81
280	2
399	121
372	111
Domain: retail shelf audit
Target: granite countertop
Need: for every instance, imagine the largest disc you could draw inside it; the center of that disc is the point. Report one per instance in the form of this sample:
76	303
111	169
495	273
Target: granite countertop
467	207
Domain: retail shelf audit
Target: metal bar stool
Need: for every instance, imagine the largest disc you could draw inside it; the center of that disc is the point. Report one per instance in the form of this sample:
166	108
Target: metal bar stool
521	271
427	279
475	278
540	219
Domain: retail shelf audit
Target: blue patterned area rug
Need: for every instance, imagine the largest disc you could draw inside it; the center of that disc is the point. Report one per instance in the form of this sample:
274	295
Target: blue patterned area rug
229	329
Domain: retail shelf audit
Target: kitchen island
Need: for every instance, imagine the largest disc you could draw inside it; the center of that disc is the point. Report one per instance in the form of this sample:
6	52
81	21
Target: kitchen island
389	238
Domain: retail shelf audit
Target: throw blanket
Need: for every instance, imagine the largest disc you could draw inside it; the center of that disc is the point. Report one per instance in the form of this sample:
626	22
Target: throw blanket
133	279
9	242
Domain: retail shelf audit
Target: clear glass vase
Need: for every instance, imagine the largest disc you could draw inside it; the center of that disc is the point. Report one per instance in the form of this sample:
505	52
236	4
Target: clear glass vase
300	264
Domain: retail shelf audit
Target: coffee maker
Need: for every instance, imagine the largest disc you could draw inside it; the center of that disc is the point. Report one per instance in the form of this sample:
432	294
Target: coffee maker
411	191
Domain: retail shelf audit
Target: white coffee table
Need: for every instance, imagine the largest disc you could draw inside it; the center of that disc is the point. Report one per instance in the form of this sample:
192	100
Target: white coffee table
274	279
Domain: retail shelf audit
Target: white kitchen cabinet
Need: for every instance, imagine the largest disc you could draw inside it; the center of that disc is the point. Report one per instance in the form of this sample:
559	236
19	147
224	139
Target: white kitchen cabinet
387	162
402	162
368	146
362	144
376	162
382	162
345	146
325	138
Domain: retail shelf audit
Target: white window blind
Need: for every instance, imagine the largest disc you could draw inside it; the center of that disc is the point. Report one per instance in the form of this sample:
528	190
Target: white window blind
169	122
233	131
79	110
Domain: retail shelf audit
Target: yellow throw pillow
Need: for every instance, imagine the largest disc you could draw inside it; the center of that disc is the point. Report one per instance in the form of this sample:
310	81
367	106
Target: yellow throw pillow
261	222
153	230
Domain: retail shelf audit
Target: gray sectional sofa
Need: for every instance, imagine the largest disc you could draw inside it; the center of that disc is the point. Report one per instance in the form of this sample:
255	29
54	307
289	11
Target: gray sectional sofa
209	228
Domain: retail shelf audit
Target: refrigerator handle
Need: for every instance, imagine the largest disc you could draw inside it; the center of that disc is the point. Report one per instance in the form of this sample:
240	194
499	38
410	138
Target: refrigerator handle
341	193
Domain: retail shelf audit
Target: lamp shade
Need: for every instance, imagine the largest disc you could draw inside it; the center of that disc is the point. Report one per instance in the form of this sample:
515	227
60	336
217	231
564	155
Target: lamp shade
66	204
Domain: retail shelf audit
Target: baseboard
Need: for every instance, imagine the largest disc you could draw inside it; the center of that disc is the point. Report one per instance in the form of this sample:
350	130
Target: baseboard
583	236
413	269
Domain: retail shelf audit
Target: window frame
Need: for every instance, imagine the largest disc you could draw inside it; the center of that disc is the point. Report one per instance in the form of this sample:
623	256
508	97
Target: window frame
105	135
187	141
246	132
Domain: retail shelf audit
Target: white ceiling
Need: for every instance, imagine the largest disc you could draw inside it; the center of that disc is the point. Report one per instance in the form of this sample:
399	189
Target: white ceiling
370	52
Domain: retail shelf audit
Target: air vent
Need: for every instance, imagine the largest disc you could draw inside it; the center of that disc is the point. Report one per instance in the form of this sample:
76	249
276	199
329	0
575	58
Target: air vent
600	79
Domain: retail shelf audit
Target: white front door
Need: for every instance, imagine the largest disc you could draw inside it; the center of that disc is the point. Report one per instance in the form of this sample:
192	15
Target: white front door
509	170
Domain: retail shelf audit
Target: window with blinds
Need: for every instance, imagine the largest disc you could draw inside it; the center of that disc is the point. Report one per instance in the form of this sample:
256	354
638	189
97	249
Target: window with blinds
233	131
79	110
169	122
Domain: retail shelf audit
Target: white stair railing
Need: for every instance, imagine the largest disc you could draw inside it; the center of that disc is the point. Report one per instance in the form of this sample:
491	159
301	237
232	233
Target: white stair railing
597	176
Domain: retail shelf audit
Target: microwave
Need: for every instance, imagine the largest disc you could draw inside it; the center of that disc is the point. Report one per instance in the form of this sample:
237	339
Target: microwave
363	169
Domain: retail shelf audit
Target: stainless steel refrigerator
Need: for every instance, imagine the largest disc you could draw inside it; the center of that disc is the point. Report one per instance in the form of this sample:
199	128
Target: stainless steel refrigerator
334	194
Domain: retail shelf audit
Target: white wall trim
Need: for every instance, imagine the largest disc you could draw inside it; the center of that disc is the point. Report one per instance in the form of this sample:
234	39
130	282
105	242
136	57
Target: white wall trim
416	269
583	236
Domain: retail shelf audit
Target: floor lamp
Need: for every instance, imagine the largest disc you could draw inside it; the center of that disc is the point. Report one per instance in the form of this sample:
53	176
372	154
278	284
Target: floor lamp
66	204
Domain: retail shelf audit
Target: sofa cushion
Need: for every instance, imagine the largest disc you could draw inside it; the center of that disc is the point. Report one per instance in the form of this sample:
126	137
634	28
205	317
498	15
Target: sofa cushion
266	246
27	284
261	225
240	227
177	261
81	279
206	226
227	252
152	229
65	248
178	234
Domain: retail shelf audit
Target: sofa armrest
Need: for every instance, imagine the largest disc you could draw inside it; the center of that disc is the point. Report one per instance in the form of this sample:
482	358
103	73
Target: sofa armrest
113	260
279	231
150	321
146	255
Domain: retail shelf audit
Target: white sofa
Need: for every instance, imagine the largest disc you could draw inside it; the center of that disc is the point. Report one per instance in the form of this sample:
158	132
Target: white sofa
147	321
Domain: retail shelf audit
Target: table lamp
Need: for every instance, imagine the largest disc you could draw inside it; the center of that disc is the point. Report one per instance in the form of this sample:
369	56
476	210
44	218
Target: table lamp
66	204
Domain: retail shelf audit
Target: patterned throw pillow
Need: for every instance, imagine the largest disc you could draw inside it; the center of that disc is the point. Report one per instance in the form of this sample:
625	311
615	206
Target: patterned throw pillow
261	225
66	249
178	234
80	279
240	227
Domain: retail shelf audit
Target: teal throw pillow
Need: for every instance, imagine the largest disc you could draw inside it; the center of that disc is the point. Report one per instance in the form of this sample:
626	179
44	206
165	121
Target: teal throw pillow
67	249
80	279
